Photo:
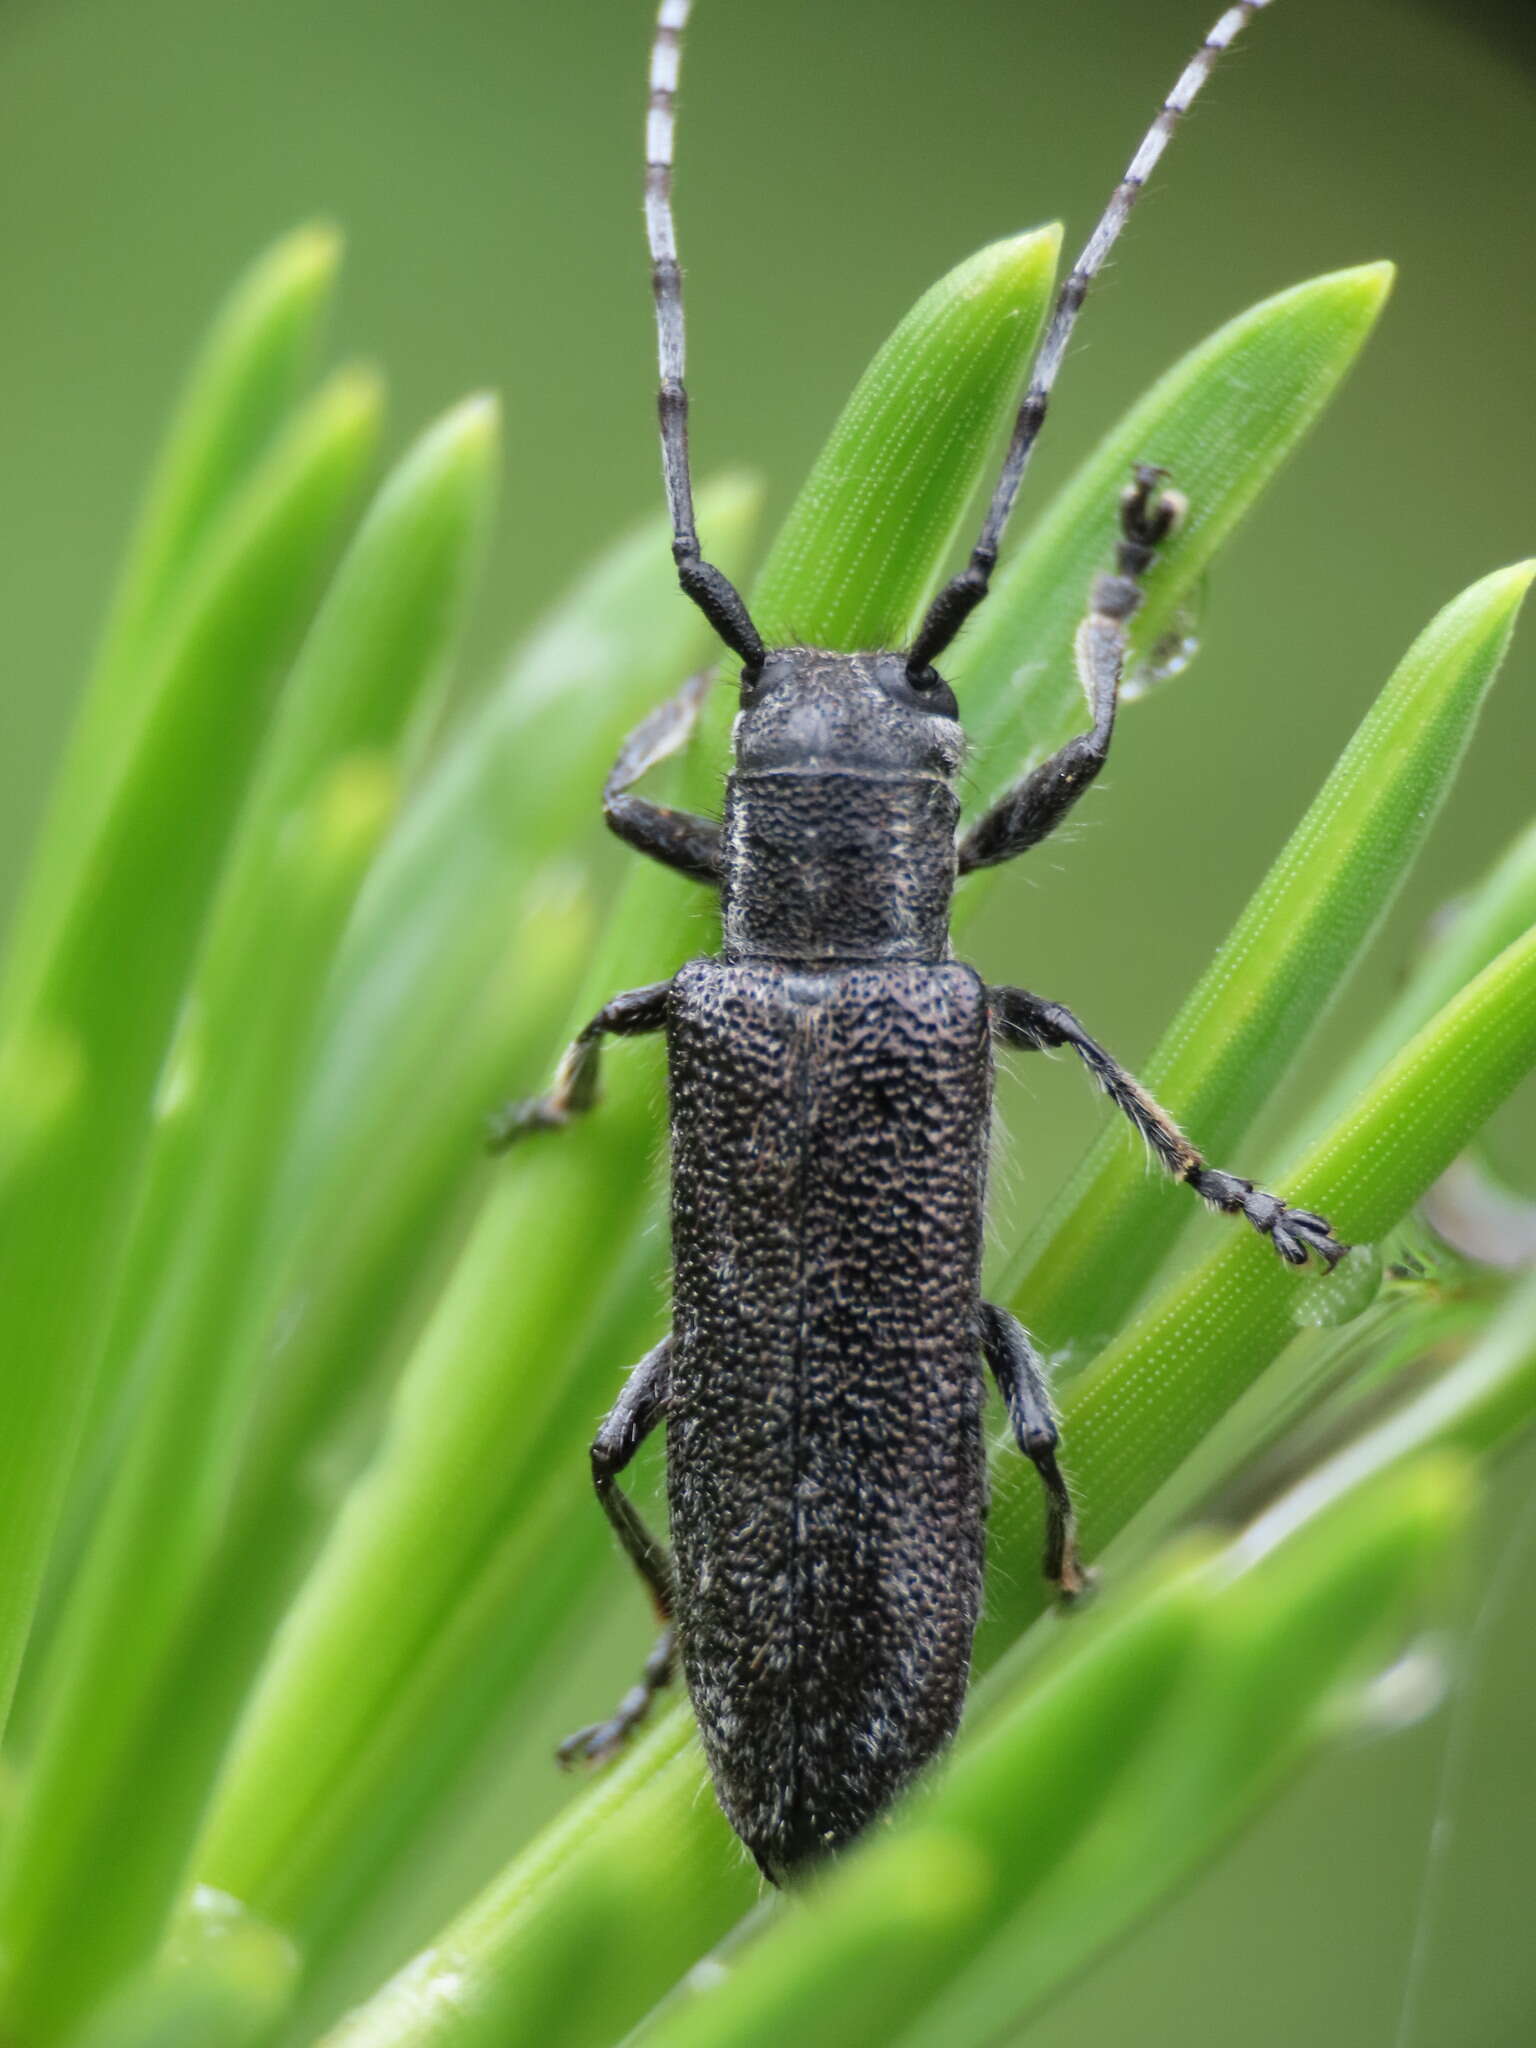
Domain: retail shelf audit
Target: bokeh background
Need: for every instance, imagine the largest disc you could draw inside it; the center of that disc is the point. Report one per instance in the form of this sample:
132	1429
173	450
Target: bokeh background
482	157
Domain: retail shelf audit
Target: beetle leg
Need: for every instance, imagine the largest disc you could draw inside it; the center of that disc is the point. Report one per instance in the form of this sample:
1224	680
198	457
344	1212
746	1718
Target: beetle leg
1023	1020
631	1015
641	1405
1021	1381
677	839
1034	807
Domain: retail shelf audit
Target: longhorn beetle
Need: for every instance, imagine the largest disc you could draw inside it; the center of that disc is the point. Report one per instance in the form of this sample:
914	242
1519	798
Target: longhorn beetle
830	1078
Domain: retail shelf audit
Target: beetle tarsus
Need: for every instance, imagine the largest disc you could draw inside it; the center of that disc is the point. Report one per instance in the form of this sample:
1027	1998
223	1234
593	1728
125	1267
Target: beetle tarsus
678	839
1021	1380
517	1120
602	1741
641	1405
1036	805
1298	1235
631	1015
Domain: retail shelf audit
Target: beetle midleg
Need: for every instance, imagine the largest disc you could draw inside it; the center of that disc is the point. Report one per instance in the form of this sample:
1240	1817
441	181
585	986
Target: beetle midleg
1027	1021
1021	1381
677	839
631	1015
1033	808
641	1405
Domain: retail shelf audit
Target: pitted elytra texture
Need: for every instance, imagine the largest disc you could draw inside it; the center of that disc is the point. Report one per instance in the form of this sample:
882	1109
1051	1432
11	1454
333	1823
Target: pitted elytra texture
830	1078
824	1455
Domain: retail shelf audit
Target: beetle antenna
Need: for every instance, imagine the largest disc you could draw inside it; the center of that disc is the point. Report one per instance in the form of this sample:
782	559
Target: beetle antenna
714	594
959	598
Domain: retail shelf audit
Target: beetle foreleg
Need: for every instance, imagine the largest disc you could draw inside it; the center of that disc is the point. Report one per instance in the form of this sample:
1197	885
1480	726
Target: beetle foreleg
1033	808
641	1405
1021	1382
631	1015
1021	1019
677	839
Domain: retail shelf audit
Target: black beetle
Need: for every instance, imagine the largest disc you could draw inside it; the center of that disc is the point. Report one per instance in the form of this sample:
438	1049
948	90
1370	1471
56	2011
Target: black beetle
830	1079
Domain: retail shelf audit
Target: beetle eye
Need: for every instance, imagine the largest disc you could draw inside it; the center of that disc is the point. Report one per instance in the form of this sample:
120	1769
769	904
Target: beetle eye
932	692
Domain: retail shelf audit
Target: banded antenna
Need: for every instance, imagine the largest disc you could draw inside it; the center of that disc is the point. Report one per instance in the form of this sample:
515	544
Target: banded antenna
714	593
959	598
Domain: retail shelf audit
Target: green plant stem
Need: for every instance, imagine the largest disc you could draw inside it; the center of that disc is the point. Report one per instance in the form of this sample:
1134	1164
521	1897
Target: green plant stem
1305	1612
1496	911
897	470
241	391
1481	1406
79	1060
322	796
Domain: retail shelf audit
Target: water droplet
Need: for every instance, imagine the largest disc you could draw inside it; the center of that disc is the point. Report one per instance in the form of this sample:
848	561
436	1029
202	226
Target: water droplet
430	1985
1170	655
1400	1695
705	1975
217	1937
180	1076
1329	1299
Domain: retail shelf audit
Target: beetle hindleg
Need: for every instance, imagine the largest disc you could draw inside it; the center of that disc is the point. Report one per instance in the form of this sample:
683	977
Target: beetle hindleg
639	1408
1023	1020
1033	808
677	839
1021	1382
631	1015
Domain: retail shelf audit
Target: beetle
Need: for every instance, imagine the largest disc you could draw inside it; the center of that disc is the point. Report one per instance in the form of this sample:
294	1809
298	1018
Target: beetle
830	1083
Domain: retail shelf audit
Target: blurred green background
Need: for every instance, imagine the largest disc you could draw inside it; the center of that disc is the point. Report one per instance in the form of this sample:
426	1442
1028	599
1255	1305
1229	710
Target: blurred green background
483	161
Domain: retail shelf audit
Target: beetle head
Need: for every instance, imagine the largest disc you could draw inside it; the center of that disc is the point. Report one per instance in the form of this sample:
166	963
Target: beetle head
804	709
